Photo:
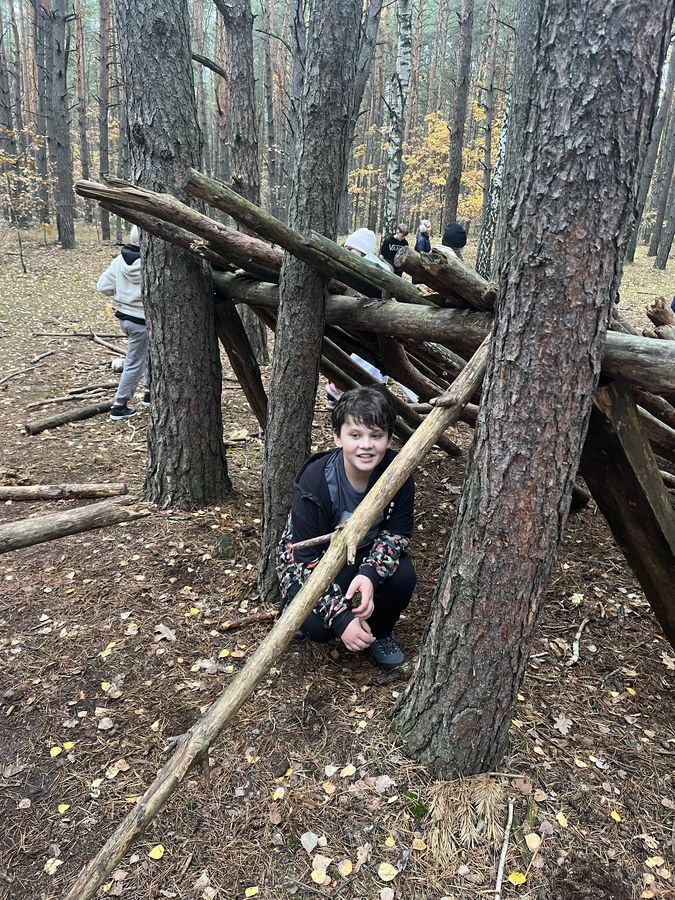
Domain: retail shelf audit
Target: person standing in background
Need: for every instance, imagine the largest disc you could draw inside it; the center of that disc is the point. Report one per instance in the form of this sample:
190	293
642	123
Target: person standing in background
391	244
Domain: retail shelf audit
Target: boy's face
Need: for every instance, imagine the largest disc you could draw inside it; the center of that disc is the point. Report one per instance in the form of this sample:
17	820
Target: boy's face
363	448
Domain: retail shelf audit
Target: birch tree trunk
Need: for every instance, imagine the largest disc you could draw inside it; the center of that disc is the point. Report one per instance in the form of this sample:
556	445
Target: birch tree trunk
458	117
396	100
549	334
326	110
186	455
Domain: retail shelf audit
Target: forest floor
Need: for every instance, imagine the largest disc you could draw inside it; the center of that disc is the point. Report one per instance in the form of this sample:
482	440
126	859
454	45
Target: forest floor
111	642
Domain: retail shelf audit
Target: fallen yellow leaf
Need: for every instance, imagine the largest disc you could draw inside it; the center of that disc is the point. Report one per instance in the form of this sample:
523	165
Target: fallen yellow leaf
561	819
390	842
419	844
157	851
516	878
329	787
386	871
318	876
251	891
614	815
345	867
652	861
278	794
631	691
62	807
579	763
105	685
52	865
55	751
68	745
517	723
348	770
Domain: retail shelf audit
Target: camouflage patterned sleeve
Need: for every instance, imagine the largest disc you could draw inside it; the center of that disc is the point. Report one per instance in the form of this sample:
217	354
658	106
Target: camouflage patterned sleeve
382	560
293	574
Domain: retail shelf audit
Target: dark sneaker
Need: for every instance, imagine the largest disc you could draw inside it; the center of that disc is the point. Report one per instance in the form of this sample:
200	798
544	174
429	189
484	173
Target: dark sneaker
387	653
117	413
146	399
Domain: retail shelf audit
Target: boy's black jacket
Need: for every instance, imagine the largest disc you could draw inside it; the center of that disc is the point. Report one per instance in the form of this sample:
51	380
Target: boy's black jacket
313	513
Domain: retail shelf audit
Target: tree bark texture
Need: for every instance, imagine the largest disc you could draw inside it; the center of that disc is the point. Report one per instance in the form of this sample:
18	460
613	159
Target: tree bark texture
461	98
103	104
326	110
58	127
81	93
567	227
650	161
243	130
396	99
186	454
663	185
40	31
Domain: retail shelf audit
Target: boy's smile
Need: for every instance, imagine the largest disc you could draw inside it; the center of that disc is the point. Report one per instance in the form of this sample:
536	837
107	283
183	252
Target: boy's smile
362	448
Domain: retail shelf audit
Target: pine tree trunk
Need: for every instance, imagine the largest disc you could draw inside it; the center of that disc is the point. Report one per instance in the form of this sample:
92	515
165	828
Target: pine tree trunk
40	31
461	97
542	371
58	128
662	190
104	104
650	162
489	227
82	104
489	103
272	155
243	130
186	454
397	98
667	235
326	109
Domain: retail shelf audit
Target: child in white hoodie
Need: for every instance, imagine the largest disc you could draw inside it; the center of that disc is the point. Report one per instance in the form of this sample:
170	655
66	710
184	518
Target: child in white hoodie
122	281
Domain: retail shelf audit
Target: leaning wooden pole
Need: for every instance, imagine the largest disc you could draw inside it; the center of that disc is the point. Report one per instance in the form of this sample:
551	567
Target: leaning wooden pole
26	532
195	744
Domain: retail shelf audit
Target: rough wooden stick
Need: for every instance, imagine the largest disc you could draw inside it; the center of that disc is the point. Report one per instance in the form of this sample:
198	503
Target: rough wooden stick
502	855
40	356
576	644
61	491
70	415
268	615
16	374
195	744
118	351
66	398
26	532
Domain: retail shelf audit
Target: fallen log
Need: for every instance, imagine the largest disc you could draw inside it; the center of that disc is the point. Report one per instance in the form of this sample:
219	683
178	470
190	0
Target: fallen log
643	362
660	435
239	248
449	277
26	532
370	279
77	414
195	744
657	406
621	473
61	491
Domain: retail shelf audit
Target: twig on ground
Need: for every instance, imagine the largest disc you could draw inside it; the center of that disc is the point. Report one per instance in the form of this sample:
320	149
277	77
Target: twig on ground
505	847
267	615
118	351
574	658
15	374
40	356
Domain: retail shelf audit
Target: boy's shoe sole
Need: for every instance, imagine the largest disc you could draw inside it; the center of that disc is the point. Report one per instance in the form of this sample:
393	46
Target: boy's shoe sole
122	414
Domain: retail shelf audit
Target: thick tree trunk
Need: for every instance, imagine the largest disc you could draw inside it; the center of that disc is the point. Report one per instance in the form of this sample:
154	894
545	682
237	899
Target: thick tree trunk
326	109
42	37
243	130
58	128
461	98
548	342
396	100
104	104
186	454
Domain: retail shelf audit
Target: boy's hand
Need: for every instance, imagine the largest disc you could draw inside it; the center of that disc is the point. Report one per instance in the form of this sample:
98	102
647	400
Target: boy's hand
357	636
366	605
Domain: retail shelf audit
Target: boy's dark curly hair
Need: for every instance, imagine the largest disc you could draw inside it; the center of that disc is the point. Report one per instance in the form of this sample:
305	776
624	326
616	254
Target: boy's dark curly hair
368	406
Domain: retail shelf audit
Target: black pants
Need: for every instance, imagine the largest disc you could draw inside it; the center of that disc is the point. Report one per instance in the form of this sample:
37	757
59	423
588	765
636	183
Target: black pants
391	598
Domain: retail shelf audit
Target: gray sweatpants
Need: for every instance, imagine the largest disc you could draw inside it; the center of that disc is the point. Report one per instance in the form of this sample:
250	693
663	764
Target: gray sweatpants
135	365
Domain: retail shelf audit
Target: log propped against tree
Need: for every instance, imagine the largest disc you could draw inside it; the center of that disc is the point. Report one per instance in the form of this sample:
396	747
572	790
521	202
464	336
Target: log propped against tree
433	341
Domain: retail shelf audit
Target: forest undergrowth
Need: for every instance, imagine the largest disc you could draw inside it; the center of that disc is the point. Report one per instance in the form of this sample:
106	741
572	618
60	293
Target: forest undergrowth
114	641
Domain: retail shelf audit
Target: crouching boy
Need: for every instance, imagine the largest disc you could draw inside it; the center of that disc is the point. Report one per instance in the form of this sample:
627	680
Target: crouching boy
366	599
